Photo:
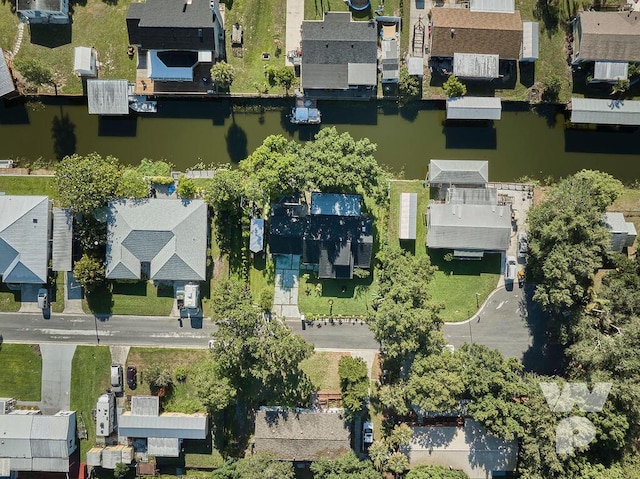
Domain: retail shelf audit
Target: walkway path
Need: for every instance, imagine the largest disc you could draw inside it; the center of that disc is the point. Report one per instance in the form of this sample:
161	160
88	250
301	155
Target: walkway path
419	11
295	16
56	376
16	46
285	298
72	294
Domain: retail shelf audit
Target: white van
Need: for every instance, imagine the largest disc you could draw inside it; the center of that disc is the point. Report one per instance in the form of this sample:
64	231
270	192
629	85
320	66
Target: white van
116	378
510	269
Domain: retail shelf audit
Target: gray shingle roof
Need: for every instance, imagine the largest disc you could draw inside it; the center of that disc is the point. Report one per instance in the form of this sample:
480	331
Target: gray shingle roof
330	45
461	172
301	435
169	234
472	227
605	111
107	97
24	238
613	36
6	80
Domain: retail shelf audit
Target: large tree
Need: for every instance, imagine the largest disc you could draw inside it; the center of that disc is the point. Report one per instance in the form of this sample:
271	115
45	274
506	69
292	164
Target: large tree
354	383
347	466
86	183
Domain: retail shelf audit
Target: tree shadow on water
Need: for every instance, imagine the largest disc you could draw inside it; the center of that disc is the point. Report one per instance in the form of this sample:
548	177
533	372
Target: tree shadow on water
64	136
236	139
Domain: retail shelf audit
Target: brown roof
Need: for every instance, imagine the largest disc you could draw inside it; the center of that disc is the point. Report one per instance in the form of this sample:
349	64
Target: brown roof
301	435
475	32
609	36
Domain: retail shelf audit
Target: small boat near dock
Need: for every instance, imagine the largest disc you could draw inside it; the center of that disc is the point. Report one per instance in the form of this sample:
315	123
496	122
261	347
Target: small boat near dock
141	104
305	112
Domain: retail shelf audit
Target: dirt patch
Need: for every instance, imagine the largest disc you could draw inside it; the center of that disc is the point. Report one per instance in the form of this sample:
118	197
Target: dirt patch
36	349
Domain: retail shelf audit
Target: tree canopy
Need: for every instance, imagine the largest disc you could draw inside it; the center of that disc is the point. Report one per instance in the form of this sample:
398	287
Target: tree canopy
347	466
223	75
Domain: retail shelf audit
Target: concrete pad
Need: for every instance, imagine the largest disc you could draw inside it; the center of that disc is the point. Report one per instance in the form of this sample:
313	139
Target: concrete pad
295	16
119	355
29	298
56	376
290	312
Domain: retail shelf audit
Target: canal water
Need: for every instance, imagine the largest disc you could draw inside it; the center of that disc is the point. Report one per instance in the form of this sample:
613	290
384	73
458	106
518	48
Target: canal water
522	143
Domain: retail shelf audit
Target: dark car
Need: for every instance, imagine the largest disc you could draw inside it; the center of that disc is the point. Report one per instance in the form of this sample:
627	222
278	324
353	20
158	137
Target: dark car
132	379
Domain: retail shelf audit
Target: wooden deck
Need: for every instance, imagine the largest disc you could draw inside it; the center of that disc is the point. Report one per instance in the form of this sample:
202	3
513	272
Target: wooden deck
200	86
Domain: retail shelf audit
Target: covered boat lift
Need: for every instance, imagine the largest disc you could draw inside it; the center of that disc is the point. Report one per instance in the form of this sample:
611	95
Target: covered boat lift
474	108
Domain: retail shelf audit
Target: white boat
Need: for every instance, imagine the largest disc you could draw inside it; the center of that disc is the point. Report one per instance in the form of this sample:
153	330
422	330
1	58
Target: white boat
140	104
305	113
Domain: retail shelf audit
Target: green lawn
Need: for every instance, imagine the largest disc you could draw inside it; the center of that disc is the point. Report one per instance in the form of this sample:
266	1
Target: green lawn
456	283
29	185
9	299
96	23
8	26
89	379
57	301
141	298
417	247
355	300
261	276
322	369
628	201
21	371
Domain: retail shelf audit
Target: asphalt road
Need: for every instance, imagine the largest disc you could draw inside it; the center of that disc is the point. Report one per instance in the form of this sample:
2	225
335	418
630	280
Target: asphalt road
115	330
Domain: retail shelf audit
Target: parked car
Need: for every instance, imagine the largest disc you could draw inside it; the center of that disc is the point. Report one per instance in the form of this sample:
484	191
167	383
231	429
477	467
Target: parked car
523	243
43	298
116	378
510	269
132	377
367	434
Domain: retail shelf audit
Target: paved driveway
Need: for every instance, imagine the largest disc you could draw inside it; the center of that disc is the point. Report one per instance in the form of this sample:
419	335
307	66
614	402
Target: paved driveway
285	298
56	376
513	324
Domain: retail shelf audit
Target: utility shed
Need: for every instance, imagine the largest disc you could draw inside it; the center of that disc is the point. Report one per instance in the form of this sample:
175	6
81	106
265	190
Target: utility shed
476	66
94	457
408	216
62	239
256	237
108	97
610	71
530	41
163	446
502	6
623	233
605	111
415	66
458	172
84	62
301	434
474	108
468	227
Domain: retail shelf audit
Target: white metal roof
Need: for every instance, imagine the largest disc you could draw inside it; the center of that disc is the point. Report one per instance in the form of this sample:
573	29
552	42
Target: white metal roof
463	226
530	41
415	66
62	239
256	238
605	111
145	405
6	80
473	65
107	97
474	108
460	172
408	215
183	426
163	446
84	61
611	71
24	237
502	6
362	74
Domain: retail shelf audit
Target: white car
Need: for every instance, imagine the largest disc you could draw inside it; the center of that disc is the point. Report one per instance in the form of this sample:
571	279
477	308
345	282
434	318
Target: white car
367	434
510	269
43	298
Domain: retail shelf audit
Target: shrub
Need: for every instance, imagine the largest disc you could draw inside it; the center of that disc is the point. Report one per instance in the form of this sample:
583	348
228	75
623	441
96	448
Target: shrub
181	374
454	87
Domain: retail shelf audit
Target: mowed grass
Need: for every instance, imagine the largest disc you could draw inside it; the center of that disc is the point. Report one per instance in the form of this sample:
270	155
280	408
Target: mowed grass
261	276
95	24
8	25
456	283
264	24
417	247
335	297
21	371
29	185
628	201
322	369
182	398
141	298
57	301
89	379
9	299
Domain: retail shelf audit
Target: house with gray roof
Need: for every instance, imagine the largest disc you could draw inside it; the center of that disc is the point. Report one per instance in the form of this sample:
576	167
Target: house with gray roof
339	57
623	233
301	435
609	40
35	442
7	86
469	228
162	433
158	239
469	448
25	225
463	173
43	11
173	37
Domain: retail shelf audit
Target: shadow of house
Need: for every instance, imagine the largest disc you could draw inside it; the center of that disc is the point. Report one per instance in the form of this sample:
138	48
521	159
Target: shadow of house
469	448
301	435
50	36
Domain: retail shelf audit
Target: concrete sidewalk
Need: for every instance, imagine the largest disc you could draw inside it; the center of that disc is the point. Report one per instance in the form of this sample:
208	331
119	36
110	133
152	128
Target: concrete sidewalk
295	16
